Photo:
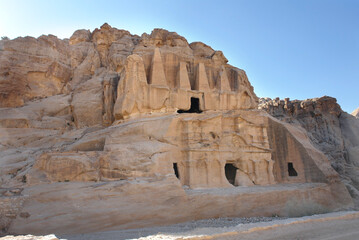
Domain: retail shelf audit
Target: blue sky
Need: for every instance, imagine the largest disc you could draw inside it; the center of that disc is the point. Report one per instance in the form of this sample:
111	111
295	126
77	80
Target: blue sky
289	48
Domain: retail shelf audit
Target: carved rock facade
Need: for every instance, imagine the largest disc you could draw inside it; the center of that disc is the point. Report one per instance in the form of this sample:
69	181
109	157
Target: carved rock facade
110	130
331	130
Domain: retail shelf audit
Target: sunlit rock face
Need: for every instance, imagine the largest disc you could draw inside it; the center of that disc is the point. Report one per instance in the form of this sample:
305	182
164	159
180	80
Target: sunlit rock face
355	113
109	130
159	78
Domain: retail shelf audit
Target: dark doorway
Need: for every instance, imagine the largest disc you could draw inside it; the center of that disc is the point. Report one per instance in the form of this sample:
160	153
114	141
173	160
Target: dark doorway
175	168
230	171
194	107
291	170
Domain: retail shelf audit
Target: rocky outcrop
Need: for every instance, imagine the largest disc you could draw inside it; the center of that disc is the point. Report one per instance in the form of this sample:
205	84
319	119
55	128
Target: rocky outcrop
110	130
89	62
33	68
355	113
331	130
172	168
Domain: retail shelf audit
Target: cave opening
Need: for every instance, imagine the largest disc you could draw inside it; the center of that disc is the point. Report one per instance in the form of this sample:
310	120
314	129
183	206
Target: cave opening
230	171
194	107
291	171
175	168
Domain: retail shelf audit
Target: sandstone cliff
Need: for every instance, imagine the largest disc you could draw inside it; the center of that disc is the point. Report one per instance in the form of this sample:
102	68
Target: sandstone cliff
333	131
110	130
355	113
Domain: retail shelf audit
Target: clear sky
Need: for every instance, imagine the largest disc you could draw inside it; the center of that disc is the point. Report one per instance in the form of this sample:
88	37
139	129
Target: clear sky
289	48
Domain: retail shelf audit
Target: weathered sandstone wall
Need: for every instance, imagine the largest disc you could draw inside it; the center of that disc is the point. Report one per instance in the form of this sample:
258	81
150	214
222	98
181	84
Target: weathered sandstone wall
355	113
331	130
109	130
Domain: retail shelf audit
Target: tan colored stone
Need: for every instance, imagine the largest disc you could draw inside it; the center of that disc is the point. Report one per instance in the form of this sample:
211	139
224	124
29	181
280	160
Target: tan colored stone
110	84
132	90
331	130
87	102
355	113
160	37
182	77
201	50
158	77
202	80
81	35
32	68
224	82
113	130
65	167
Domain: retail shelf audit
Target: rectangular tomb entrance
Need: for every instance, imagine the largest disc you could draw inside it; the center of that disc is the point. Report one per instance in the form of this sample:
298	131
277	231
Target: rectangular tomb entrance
194	107
291	171
175	169
230	171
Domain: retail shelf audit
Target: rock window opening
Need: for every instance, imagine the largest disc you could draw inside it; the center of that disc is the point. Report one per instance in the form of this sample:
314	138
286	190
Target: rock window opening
230	171
291	171
175	168
194	107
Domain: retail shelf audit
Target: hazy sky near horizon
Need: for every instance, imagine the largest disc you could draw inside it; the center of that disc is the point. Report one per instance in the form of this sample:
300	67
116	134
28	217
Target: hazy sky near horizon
289	48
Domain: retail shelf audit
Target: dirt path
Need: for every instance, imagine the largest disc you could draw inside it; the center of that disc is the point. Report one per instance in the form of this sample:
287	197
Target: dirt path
345	229
331	226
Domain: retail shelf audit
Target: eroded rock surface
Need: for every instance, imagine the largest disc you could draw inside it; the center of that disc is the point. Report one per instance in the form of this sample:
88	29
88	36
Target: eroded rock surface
331	130
355	113
110	130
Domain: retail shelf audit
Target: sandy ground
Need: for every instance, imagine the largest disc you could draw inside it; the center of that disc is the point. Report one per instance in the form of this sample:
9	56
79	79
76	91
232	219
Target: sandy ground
344	229
175	229
340	225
